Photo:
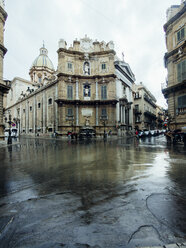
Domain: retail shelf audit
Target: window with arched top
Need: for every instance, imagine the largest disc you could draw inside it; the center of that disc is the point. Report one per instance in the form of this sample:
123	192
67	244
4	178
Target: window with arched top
50	101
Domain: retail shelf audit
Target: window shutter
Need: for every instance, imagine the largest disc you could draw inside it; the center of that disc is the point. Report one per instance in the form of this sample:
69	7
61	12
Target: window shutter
69	92
182	33
178	36
104	112
69	113
183	70
179	72
182	101
104	92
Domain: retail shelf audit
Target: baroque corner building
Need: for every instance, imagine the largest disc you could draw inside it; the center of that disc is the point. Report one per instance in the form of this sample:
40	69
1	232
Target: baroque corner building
3	87
175	61
94	89
91	88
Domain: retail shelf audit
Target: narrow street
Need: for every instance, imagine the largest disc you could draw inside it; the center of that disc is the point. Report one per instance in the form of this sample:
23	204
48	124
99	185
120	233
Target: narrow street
117	193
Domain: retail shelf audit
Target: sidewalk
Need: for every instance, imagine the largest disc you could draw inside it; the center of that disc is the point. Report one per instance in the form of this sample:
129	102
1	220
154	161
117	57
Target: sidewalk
181	245
3	143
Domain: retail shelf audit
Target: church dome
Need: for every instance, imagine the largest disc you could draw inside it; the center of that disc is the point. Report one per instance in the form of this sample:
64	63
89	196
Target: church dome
43	60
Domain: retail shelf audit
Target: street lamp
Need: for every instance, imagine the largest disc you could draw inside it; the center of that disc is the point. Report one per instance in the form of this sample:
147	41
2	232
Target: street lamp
17	122
9	141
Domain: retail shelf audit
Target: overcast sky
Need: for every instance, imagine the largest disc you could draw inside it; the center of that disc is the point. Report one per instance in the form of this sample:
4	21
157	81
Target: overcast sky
135	26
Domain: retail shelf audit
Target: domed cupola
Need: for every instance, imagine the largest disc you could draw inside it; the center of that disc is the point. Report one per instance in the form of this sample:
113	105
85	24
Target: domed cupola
42	68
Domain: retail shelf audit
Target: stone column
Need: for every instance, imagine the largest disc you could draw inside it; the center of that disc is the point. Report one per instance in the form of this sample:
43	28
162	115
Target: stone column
97	97
35	106
20	123
56	115
26	117
1	108
44	119
97	115
77	89
124	115
121	111
77	115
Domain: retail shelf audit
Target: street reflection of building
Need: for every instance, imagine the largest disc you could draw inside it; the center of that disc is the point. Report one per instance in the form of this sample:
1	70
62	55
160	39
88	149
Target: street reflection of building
175	61
3	87
92	88
144	108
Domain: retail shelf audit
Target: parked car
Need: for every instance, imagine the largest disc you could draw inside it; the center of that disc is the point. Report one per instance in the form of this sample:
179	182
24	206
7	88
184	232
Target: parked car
14	132
147	133
140	134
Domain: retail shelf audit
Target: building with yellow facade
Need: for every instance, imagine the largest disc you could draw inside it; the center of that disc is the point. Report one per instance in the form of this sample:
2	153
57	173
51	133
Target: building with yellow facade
91	89
3	87
175	61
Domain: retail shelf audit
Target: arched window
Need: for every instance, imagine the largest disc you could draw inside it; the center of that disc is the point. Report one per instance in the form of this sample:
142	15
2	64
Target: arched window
49	101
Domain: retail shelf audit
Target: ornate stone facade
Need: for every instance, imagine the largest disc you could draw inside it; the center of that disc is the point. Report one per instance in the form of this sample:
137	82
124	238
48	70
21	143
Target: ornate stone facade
175	62
91	89
87	91
3	87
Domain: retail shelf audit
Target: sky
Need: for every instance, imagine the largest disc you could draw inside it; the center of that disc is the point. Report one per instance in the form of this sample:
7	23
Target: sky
135	27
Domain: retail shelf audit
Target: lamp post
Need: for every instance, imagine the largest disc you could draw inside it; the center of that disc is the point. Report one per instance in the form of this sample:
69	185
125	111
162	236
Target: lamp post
17	122
9	141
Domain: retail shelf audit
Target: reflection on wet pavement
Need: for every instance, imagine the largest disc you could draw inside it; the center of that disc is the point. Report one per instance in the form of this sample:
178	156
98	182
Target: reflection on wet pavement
119	193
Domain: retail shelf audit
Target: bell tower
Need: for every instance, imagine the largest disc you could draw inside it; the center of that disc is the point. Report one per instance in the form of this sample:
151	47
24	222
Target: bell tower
3	87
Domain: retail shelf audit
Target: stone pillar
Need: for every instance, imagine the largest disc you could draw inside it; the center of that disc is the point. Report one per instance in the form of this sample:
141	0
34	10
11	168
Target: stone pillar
97	97
26	118
1	108
20	123
97	115
121	111
34	115
124	115
77	89
44	119
56	105
77	115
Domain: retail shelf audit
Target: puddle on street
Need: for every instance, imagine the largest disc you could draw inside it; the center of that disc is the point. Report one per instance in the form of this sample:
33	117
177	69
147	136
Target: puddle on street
110	194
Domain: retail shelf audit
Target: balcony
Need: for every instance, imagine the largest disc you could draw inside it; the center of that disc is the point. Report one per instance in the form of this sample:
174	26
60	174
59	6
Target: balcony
137	112
149	100
149	114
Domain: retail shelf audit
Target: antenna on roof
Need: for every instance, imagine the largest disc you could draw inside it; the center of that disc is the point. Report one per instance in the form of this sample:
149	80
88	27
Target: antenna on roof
43	43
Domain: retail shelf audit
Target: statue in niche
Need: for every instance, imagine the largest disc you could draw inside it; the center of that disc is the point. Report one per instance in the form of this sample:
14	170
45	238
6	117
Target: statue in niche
87	90
87	122
86	68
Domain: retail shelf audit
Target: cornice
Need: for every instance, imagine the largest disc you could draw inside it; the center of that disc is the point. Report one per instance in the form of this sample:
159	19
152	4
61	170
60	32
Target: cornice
85	102
174	18
3	49
174	88
173	52
34	93
85	77
4	88
3	12
82	53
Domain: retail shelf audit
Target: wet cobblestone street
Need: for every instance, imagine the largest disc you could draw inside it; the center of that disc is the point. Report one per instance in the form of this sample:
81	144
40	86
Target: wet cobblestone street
118	193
